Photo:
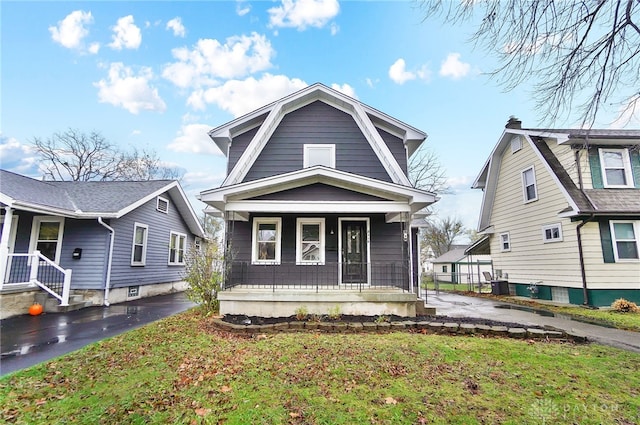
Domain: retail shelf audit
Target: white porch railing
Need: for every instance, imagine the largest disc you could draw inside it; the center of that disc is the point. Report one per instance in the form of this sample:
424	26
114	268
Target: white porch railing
38	270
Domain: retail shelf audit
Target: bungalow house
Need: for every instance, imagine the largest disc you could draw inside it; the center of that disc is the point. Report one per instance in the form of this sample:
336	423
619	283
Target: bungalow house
318	208
561	213
89	243
458	266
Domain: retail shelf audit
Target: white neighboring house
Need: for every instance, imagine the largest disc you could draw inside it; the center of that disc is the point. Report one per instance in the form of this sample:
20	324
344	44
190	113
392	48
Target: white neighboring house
457	266
561	208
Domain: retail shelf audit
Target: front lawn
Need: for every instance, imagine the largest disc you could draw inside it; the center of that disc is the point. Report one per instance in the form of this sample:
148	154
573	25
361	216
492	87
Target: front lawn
180	370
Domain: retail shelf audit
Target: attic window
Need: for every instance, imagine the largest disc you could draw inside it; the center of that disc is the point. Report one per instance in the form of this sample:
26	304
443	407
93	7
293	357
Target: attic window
162	204
516	144
319	155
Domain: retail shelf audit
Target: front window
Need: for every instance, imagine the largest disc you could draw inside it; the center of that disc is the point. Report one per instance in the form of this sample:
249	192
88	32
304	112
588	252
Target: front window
616	168
505	242
552	233
139	248
177	244
310	241
319	155
624	235
46	237
266	240
529	185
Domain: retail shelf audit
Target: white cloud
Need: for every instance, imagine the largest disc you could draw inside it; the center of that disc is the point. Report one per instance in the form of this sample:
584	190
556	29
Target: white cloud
126	34
334	28
72	29
209	60
176	26
17	157
301	14
194	138
132	92
241	96
453	67
94	48
136	132
242	8
372	82
346	89
399	74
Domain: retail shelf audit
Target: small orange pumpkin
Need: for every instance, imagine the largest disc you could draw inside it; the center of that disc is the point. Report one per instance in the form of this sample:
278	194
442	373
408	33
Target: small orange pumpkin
35	309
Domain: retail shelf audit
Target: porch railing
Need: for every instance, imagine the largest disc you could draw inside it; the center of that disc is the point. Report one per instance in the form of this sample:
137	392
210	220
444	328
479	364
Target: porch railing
327	276
37	269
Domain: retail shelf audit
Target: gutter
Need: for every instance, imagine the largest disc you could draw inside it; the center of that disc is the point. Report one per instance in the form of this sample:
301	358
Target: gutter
107	282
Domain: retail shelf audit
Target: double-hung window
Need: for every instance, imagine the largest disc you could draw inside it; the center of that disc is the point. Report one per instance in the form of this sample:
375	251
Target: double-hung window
616	168
177	244
267	233
626	240
529	187
319	154
310	241
552	233
139	248
46	236
505	242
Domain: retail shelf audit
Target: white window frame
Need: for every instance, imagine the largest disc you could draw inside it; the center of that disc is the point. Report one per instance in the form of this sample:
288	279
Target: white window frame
35	233
502	241
614	241
197	244
160	200
308	148
516	144
143	261
524	185
299	223
255	258
626	164
551	227
178	236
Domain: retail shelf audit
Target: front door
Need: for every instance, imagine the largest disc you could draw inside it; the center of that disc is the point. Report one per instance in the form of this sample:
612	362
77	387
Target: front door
354	251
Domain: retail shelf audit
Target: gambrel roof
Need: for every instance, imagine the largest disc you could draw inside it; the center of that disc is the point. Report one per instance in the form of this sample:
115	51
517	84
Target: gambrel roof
267	118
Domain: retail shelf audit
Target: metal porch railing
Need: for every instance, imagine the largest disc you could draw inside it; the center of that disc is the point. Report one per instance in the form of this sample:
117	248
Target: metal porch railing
37	269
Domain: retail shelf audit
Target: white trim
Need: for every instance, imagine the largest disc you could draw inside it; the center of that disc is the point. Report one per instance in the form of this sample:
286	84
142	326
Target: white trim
524	185
309	147
300	222
368	259
502	241
551	227
178	236
254	240
35	233
626	167
162	200
635	225
318	206
144	244
8	243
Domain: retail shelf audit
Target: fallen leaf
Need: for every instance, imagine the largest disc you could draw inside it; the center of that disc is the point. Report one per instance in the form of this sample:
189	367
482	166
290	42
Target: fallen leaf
390	400
294	415
201	411
225	389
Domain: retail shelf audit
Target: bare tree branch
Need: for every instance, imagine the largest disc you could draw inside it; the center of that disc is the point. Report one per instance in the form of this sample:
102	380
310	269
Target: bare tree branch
426	172
441	233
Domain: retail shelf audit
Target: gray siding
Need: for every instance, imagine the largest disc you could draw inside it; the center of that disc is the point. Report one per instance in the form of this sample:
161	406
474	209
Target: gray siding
89	271
238	146
318	192
317	123
396	146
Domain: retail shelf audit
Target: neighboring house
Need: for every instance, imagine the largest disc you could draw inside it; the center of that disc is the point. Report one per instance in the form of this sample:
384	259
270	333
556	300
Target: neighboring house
561	210
91	242
426	258
456	266
318	208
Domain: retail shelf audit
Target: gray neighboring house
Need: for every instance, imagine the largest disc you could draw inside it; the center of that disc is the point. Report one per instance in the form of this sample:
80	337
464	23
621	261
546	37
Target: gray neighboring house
458	266
91	243
318	208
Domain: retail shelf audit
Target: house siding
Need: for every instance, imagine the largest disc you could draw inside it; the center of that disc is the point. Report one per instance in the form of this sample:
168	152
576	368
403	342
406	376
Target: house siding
530	259
90	270
156	268
396	147
238	146
317	123
314	192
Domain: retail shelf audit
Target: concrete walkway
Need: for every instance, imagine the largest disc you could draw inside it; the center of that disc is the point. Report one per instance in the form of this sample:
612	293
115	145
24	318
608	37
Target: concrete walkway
454	305
29	340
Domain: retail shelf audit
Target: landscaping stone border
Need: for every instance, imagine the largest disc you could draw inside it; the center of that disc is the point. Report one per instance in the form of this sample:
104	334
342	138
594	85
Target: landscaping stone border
384	327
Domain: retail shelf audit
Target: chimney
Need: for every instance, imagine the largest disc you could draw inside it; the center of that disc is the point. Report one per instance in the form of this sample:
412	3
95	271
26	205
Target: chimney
514	123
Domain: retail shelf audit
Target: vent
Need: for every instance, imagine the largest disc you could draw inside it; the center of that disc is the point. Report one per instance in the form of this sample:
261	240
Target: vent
162	205
516	144
134	291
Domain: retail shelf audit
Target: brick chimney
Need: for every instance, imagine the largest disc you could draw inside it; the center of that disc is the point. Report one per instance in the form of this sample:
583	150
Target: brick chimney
514	123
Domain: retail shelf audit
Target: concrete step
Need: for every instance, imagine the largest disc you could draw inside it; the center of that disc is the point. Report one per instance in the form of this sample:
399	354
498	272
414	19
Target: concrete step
76	302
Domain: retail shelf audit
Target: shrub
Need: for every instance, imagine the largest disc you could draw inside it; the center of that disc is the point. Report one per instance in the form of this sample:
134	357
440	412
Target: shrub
335	312
625	306
302	312
204	272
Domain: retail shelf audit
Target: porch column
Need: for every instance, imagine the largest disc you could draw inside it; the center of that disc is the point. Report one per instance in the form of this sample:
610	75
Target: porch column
4	243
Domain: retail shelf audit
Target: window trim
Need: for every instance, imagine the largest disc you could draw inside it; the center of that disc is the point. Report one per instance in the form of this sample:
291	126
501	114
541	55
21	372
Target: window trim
35	233
508	241
550	227
160	199
254	240
524	185
626	164
308	147
636	232
310	220
184	248
516	144
143	261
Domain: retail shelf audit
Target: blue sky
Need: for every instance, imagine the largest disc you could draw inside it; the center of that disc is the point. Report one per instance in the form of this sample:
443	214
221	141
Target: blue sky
159	75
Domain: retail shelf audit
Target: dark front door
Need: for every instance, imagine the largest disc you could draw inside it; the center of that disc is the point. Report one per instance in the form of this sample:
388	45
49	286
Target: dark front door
354	251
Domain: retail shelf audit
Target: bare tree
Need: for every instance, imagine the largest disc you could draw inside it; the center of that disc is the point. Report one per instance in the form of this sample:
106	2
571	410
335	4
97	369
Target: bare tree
441	233
78	156
579	54
426	172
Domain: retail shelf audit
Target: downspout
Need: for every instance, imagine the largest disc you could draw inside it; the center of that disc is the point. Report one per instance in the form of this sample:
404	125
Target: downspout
583	273
107	282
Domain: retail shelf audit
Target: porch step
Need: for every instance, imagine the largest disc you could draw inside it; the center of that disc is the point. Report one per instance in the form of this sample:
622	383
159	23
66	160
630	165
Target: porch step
424	310
76	302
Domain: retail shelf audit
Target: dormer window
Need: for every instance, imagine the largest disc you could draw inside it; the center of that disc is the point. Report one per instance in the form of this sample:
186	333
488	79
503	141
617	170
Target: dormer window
516	144
319	155
162	204
616	168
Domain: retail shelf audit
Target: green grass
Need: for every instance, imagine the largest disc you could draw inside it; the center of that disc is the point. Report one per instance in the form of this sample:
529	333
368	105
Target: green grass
180	370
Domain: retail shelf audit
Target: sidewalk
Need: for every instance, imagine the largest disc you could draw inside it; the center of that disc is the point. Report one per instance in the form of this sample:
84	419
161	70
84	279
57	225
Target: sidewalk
455	305
29	340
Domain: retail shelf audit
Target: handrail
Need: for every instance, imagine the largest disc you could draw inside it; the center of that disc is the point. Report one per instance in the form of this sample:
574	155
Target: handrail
36	259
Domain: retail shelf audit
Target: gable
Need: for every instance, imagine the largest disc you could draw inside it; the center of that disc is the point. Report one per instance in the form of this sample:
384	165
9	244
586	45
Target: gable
317	191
